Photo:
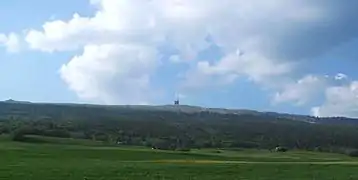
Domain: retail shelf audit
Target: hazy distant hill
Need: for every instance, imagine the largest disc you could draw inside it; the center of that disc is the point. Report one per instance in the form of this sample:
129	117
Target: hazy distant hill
12	107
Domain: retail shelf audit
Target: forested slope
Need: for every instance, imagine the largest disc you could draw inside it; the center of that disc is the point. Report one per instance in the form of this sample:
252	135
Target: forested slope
172	127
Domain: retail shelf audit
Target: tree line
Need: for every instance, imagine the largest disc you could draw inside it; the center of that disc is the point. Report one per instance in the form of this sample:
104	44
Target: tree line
172	130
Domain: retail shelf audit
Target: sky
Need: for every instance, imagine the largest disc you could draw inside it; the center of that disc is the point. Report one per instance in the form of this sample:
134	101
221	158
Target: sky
291	56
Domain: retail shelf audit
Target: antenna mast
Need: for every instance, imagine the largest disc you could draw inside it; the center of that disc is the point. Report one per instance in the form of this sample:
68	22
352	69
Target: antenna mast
177	102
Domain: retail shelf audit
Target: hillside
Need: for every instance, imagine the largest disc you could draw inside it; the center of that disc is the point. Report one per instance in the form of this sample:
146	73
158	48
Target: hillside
174	127
30	110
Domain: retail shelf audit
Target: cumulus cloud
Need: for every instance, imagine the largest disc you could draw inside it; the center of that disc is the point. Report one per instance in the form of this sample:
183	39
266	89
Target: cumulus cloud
273	36
112	73
340	101
274	39
11	42
230	23
252	65
302	91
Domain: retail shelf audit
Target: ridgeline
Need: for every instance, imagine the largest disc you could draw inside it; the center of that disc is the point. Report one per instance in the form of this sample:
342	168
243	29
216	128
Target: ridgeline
177	127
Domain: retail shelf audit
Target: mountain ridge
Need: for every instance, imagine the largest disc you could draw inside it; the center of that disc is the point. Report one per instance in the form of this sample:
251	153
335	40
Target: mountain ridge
198	109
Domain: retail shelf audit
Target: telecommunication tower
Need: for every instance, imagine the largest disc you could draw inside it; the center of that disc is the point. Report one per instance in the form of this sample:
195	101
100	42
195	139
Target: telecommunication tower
176	102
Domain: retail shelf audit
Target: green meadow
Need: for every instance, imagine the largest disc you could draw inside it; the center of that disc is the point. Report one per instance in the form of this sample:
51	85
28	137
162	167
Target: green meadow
60	159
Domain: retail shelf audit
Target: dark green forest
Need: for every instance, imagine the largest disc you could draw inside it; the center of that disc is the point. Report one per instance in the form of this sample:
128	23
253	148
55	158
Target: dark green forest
170	127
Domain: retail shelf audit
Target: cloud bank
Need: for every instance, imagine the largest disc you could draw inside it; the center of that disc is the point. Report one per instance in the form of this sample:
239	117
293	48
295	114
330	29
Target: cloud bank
264	41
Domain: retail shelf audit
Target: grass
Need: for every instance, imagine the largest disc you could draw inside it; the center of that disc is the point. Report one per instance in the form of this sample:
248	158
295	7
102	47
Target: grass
48	161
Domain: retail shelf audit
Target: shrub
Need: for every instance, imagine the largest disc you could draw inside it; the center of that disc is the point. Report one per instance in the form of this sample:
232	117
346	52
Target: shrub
352	153
18	135
280	149
318	149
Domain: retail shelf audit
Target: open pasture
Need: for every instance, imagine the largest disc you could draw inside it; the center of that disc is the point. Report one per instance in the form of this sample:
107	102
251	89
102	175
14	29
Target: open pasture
43	161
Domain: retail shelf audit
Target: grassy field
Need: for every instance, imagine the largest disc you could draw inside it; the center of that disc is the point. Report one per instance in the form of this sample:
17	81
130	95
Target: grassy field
47	161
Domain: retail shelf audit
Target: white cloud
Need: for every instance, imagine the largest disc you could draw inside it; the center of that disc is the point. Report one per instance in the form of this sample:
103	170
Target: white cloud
340	76
11	42
302	91
110	73
340	101
256	67
184	22
273	37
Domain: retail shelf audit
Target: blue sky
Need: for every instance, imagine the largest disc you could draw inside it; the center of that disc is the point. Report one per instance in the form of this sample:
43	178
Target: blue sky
292	56
29	75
